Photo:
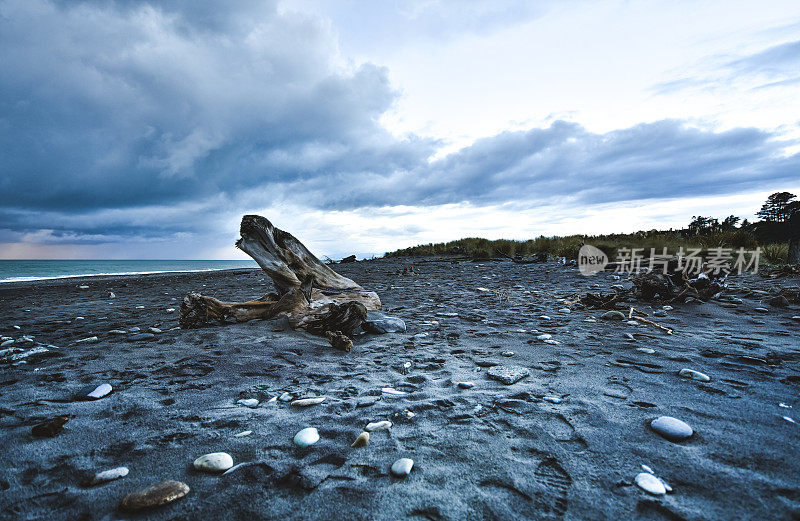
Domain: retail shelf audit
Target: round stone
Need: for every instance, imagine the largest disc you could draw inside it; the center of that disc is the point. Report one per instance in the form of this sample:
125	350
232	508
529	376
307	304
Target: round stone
466	385
248	402
155	495
214	462
694	375
306	437
402	467
671	428
650	484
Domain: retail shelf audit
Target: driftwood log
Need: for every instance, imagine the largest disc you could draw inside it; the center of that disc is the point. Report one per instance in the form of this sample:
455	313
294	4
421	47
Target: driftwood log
310	294
674	286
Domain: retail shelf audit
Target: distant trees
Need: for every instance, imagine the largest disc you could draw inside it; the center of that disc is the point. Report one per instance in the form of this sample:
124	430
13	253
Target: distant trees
702	225
730	222
778	207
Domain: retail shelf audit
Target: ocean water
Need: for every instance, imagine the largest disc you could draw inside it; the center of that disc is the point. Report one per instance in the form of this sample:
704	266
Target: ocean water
20	270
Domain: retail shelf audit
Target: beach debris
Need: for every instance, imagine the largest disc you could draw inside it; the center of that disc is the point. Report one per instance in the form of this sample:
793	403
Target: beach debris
111	294
349	258
646	350
671	428
631	315
392	391
214	462
650	484
117	332
154	495
694	375
544	336
242	434
551	398
89	340
789	419
106	476
306	402
49	428
506	374
94	391
306	437
402	467
361	441
339	340
309	293
378	426
17	355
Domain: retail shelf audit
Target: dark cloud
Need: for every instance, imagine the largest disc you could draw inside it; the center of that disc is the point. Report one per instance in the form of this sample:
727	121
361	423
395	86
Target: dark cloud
121	119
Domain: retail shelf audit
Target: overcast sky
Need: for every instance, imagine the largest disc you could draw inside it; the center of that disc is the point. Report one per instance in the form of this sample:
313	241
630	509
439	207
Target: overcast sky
144	129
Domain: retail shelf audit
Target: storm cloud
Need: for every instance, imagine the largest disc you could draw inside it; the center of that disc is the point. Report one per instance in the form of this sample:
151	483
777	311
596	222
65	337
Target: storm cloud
122	119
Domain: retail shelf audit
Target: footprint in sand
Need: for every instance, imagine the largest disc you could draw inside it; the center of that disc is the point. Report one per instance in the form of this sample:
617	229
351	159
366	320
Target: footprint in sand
617	390
562	430
551	500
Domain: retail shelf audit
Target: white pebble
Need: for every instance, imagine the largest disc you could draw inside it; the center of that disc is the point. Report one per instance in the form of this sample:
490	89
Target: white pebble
378	426
214	462
305	402
243	434
248	402
694	375
306	437
650	484
402	467
392	392
109	475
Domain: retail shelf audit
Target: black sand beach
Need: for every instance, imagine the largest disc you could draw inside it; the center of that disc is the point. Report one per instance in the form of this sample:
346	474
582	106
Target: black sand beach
564	442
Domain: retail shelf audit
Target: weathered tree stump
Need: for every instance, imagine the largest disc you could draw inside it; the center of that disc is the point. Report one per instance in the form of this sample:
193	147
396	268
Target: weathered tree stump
310	294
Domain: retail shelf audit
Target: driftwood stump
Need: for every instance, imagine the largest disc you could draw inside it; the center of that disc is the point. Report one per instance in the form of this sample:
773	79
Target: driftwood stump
310	294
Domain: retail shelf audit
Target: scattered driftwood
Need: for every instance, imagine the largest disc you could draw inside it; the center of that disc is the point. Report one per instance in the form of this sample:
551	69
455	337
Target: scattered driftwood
676	286
602	300
309	293
672	286
633	310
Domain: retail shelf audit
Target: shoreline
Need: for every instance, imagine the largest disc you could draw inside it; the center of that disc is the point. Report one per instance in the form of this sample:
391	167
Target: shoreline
117	275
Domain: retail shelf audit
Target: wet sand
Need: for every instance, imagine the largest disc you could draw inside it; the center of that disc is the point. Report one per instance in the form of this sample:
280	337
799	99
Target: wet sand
564	442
